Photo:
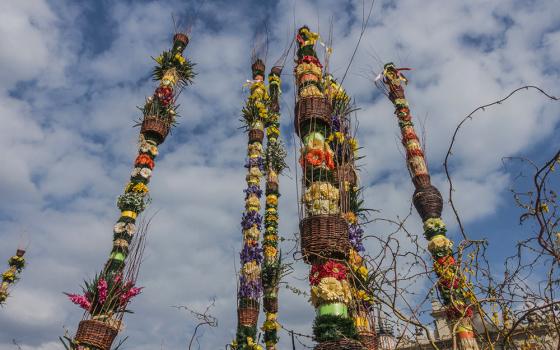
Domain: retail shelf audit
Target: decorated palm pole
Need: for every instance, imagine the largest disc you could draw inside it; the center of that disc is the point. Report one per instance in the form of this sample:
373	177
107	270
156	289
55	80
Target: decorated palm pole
106	297
9	277
323	229
345	147
274	157
250	288
452	284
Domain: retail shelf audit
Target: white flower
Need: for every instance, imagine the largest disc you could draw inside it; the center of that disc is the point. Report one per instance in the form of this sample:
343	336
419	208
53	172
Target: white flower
130	228
135	172
119	227
146	173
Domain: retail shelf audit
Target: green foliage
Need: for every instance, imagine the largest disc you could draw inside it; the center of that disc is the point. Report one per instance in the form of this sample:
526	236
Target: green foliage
331	327
275	156
168	60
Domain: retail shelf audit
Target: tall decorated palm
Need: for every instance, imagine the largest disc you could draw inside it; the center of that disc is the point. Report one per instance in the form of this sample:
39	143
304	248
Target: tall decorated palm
452	285
274	159
325	243
250	287
105	297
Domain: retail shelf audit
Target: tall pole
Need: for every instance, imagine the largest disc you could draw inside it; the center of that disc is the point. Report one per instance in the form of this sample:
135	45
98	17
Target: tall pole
323	229
106	297
274	164
452	284
250	284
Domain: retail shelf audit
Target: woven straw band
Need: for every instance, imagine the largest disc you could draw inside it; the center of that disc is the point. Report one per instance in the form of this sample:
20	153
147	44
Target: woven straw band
129	214
312	109
96	333
324	236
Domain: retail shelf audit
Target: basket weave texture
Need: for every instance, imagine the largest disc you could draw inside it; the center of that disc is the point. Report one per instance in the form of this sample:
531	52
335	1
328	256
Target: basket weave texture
341	344
396	93
155	127
324	236
428	202
256	135
96	333
270	304
248	316
312	109
368	340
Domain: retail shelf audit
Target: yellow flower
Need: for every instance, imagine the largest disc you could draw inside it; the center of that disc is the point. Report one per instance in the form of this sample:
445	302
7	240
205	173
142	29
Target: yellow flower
137	187
159	59
272	130
252	233
363	272
350	217
330	289
272	238
251	270
270	251
180	58
355	258
272	199
253	202
252	345
353	143
338	136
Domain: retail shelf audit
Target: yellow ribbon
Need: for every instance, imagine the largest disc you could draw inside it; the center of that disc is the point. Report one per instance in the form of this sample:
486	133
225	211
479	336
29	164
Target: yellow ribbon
129	214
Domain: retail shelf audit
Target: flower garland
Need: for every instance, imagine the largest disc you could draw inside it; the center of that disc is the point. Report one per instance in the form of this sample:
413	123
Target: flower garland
330	288
255	115
105	298
275	155
16	264
452	285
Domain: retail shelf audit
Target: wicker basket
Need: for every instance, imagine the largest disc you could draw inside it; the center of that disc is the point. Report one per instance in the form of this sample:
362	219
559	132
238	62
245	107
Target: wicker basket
312	109
256	135
155	128
324	236
248	316
428	202
270	304
96	333
345	172
258	67
182	38
368	340
341	344
396	93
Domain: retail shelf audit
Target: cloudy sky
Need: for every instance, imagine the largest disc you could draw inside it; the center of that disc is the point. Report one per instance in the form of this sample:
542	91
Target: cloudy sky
72	74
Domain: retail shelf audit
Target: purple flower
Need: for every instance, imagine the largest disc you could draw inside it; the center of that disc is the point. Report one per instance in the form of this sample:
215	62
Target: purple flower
251	218
255	162
250	253
253	189
335	122
355	237
249	289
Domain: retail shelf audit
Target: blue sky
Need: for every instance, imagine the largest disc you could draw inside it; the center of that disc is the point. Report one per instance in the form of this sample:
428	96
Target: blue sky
72	74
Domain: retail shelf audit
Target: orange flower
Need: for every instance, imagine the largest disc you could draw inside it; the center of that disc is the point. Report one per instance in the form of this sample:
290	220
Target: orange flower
329	160
315	157
144	159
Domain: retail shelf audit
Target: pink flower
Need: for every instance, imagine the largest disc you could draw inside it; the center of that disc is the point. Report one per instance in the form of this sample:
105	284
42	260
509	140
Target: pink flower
80	300
131	293
102	290
117	278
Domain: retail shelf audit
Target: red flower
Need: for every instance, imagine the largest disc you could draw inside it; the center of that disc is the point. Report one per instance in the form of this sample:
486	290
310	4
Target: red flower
329	162
334	269
144	159
164	94
446	261
315	275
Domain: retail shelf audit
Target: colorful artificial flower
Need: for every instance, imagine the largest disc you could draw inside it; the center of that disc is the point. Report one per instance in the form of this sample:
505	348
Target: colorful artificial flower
80	300
251	270
180	58
270	251
144	159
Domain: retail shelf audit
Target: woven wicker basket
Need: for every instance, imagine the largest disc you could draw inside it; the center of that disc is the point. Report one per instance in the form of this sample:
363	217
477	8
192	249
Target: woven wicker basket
270	304
256	135
258	66
368	340
96	333
341	344
428	202
182	38
271	187
396	92
324	236
312	110
248	316
155	128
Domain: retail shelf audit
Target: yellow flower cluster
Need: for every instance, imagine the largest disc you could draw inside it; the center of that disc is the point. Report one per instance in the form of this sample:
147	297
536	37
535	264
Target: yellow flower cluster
438	243
138	187
331	290
252	271
434	224
254	150
321	198
271	323
253	203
